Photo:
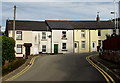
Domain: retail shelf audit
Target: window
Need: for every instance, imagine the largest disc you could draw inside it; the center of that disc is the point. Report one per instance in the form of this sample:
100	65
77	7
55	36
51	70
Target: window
19	35
43	48
19	49
75	45
114	31
43	35
63	34
64	46
99	32
82	33
83	44
99	42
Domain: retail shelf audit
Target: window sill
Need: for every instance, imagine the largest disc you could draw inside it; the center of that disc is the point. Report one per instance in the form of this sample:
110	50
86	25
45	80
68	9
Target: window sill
43	39
18	53
64	38
64	50
18	39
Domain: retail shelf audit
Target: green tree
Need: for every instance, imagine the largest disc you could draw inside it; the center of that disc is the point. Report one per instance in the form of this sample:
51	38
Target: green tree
8	52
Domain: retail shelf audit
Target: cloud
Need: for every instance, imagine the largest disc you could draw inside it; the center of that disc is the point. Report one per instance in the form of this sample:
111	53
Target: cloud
57	10
58	0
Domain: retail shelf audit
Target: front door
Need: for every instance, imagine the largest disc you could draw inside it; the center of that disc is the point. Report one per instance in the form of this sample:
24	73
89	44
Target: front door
55	48
93	46
27	50
76	47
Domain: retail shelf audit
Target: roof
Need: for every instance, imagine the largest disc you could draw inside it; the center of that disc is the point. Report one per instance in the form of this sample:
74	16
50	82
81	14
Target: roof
93	25
27	25
59	25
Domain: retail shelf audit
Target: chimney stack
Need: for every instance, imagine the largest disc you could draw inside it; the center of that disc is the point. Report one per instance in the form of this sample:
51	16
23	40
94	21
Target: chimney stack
98	18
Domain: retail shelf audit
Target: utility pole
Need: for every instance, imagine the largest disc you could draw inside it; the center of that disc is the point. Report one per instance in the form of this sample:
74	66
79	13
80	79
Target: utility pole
13	35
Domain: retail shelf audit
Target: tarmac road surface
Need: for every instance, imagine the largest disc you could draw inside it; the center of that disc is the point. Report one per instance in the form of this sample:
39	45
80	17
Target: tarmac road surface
61	67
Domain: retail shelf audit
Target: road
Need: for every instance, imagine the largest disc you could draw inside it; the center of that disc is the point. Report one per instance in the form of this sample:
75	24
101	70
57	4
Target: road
61	67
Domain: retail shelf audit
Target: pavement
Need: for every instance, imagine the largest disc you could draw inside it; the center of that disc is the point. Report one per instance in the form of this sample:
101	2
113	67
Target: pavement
61	67
110	67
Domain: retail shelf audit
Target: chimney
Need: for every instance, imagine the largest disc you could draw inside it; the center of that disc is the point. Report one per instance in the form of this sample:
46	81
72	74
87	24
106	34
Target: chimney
98	18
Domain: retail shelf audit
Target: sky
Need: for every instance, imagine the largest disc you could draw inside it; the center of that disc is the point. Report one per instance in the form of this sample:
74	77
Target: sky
56	10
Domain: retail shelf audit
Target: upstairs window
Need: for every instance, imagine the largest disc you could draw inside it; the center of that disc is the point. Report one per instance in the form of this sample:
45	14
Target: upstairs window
43	48
99	32
19	35
19	49
114	31
43	35
63	34
82	33
64	46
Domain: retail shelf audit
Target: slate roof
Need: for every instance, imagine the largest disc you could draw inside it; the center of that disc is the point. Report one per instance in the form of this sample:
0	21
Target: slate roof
27	25
59	25
93	25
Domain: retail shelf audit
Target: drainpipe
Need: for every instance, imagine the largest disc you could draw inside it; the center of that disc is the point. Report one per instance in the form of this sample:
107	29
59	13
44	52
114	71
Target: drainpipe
73	41
89	41
51	41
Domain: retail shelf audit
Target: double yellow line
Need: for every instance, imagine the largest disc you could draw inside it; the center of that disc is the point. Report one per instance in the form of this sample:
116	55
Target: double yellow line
23	71
108	78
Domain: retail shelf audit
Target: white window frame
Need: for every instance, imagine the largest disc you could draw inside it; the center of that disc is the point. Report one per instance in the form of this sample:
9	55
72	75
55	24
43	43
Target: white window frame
83	46
18	35
83	33
44	35
19	49
43	48
64	47
63	34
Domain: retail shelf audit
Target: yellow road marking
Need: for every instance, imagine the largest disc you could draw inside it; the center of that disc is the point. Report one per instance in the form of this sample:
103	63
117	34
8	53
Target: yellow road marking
100	70
23	71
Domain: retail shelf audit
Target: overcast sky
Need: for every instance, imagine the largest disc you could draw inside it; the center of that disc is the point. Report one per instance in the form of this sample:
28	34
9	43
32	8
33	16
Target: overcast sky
57	10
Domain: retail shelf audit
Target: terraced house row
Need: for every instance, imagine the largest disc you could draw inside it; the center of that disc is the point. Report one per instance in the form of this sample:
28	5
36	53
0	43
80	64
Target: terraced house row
58	36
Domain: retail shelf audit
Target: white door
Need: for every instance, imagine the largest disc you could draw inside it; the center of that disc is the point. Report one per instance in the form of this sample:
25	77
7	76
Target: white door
93	46
76	45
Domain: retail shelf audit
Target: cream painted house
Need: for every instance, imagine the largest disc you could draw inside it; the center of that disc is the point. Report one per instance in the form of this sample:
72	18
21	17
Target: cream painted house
58	36
88	35
32	37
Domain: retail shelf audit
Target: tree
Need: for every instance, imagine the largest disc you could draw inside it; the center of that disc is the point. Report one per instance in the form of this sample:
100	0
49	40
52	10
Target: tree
8	52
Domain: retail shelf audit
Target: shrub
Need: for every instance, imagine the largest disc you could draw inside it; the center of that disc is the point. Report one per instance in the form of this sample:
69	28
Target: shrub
8	52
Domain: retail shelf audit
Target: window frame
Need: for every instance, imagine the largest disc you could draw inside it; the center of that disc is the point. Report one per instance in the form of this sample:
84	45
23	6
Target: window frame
44	36
19	46
64	47
17	34
64	35
99	33
83	33
43	48
83	44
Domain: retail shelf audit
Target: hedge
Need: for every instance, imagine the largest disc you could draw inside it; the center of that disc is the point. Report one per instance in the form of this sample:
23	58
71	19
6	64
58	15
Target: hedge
8	52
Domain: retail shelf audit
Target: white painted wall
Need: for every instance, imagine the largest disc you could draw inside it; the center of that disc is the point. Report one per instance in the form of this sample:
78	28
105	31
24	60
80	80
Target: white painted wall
57	39
37	45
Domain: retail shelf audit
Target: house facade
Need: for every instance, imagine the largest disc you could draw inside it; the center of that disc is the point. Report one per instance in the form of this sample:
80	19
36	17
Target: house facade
58	36
32	37
88	35
62	36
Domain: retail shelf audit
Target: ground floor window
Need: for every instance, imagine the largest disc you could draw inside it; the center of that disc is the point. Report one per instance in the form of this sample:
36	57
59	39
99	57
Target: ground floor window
19	49
43	48
64	46
82	44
